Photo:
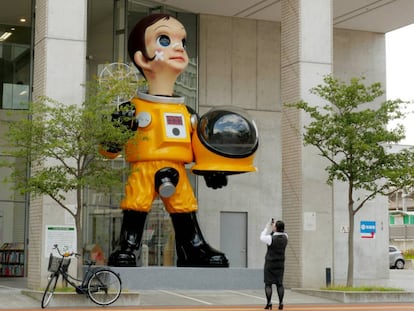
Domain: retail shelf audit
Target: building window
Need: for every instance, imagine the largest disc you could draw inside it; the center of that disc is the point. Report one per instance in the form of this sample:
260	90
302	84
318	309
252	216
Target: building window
15	79
14	67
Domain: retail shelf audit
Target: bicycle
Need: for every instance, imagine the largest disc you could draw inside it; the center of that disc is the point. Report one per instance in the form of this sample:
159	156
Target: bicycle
102	285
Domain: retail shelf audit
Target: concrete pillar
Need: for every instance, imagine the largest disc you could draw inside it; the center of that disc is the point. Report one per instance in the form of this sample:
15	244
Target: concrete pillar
306	56
59	71
360	54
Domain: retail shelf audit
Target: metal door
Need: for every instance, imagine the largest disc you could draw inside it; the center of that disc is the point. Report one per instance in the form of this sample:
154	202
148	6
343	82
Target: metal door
233	232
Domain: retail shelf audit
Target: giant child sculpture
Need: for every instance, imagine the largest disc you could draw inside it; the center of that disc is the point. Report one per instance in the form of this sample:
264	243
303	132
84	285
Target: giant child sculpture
169	135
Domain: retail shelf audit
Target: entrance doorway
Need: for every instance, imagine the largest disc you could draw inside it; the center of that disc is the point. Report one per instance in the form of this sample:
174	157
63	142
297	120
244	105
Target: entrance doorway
233	241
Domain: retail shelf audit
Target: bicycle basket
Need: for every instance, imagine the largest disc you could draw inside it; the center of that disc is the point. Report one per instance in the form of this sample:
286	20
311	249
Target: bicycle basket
54	263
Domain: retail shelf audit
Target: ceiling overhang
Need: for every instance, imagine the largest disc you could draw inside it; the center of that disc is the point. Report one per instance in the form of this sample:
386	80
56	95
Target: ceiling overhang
367	15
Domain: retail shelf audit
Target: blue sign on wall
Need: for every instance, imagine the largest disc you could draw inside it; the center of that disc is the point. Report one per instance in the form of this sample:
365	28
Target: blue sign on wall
368	229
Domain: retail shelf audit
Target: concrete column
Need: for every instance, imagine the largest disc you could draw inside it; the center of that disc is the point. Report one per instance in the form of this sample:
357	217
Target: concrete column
59	72
360	54
306	56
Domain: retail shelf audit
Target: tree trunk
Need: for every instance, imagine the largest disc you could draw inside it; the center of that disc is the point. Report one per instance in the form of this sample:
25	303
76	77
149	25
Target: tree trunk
350	277
350	272
79	233
79	244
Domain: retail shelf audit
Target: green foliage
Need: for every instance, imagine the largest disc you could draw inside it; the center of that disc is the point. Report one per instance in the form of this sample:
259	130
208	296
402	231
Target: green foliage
61	142
65	289
367	288
409	253
351	132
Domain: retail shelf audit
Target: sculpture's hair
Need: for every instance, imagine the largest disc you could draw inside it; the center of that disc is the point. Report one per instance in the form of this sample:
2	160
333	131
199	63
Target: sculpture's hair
136	39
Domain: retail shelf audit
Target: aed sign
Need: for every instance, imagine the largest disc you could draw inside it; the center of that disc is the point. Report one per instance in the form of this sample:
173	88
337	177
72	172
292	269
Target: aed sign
368	229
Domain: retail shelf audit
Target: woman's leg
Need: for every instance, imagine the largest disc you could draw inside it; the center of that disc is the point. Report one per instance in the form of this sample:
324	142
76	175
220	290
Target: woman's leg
280	293
268	292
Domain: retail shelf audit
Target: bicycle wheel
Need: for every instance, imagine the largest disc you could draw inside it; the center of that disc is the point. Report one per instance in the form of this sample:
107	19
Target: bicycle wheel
104	287
50	289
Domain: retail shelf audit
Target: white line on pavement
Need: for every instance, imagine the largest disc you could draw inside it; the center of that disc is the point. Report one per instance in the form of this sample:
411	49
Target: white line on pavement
247	295
186	297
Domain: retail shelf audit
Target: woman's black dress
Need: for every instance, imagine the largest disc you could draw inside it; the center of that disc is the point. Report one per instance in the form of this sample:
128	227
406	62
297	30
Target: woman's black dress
275	259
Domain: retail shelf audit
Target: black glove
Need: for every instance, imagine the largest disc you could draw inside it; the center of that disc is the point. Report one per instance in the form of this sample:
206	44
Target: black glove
215	180
126	116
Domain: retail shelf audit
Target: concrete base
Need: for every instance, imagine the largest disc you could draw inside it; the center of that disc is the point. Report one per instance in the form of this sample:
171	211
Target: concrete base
147	278
76	300
358	297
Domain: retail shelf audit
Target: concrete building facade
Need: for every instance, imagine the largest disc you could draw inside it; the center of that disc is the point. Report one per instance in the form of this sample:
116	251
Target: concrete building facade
258	65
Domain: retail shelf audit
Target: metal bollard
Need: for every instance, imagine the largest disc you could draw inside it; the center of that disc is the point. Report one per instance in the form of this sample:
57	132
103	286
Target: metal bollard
328	277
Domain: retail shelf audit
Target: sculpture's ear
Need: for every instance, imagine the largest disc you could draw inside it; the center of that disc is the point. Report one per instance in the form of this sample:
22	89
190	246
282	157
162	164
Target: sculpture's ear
141	60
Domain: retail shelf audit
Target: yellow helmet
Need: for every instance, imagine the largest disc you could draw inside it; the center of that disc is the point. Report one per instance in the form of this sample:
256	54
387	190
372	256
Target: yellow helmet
225	140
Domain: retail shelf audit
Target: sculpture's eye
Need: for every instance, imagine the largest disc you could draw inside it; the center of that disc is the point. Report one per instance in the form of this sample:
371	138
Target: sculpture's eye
163	41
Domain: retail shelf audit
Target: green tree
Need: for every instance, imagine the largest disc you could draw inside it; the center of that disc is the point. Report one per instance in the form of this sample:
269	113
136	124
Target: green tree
60	143
353	136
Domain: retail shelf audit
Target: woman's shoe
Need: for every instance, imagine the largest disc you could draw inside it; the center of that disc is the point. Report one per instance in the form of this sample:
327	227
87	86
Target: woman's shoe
268	306
281	306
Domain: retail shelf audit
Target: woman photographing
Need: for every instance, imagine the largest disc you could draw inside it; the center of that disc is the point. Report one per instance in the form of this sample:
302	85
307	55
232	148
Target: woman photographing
276	240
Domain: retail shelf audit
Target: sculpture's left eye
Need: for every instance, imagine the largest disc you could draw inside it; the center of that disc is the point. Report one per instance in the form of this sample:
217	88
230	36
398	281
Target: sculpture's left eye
163	41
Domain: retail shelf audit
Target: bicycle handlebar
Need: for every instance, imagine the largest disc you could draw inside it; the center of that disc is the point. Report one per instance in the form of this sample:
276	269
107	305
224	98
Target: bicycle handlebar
66	254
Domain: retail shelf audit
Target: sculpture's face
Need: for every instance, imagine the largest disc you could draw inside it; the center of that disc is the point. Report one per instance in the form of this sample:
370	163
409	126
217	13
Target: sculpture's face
166	41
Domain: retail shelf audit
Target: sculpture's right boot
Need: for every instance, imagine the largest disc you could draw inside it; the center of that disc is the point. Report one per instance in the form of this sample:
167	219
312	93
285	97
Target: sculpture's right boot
130	240
192	248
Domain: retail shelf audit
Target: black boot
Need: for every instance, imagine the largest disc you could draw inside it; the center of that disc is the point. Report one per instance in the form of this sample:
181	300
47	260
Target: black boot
192	249
130	240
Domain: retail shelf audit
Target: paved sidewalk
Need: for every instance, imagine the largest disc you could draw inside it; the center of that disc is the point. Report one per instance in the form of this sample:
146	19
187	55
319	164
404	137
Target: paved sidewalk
222	297
11	297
